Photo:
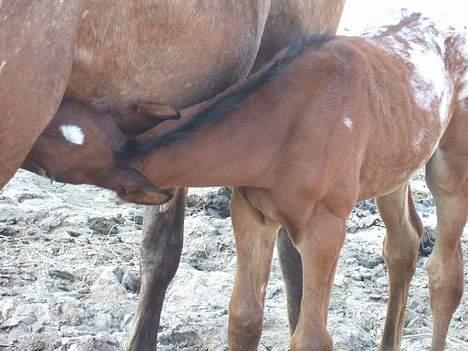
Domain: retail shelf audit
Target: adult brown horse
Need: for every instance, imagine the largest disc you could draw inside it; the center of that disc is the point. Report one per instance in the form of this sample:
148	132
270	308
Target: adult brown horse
112	54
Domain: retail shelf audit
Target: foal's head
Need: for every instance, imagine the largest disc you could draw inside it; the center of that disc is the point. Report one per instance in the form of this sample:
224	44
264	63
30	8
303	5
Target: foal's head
80	147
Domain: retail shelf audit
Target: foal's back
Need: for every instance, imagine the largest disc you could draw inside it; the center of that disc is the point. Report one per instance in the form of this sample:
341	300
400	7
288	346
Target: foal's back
387	100
424	69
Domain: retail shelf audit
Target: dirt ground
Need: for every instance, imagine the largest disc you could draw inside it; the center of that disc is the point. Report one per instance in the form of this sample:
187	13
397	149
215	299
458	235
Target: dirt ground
69	275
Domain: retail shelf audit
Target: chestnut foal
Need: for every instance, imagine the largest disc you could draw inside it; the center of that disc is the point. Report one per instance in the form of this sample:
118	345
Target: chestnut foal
331	122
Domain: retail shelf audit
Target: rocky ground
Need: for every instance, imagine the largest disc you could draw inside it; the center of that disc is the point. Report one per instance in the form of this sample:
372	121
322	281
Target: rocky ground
69	275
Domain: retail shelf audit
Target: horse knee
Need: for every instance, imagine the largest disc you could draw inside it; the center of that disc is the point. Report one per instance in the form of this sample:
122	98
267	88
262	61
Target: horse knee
245	319
445	280
402	257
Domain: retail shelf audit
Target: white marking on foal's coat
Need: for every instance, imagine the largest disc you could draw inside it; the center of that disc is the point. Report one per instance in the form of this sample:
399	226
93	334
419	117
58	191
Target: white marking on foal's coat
425	50
2	65
348	122
73	134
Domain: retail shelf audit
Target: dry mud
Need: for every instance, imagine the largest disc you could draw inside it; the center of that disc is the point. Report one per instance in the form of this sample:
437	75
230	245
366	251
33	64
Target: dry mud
69	275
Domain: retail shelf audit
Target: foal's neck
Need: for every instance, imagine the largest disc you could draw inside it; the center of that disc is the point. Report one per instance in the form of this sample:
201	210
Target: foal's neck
235	140
235	150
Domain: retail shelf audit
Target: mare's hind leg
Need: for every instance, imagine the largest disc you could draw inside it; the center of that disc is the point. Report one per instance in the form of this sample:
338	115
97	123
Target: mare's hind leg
319	245
404	229
160	250
447	178
255	238
291	267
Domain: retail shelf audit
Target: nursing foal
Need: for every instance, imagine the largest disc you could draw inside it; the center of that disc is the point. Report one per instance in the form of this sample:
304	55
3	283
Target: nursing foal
334	121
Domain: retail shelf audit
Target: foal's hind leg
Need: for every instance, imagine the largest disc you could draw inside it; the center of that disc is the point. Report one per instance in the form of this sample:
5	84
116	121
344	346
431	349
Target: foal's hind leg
291	267
404	229
319	245
255	238
447	177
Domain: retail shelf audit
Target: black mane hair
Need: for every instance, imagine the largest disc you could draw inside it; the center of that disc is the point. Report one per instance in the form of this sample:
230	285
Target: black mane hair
218	110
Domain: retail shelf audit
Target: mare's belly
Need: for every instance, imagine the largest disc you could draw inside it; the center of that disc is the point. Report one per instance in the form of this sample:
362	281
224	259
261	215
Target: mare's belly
170	52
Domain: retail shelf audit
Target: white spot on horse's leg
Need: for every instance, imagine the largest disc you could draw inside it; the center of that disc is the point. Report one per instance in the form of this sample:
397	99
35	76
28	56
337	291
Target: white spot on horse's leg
73	134
2	65
348	122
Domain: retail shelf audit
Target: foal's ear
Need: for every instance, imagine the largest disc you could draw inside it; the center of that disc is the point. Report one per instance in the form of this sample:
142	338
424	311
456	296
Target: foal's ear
162	112
132	186
144	116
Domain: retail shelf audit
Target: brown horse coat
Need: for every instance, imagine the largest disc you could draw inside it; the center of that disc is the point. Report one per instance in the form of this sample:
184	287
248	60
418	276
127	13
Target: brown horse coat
113	54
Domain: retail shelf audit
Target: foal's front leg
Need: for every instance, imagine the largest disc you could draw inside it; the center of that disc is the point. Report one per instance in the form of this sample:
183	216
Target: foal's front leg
255	237
160	250
319	245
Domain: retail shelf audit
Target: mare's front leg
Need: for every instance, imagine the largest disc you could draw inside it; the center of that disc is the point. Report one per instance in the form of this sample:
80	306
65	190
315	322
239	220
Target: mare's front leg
404	230
319	245
255	238
160	251
447	178
36	46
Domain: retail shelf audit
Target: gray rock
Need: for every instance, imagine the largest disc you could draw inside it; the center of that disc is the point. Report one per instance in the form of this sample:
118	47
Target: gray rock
131	281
